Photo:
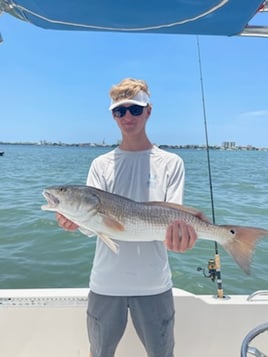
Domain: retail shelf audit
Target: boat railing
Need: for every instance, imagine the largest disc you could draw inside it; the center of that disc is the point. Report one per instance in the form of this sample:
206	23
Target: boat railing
259	295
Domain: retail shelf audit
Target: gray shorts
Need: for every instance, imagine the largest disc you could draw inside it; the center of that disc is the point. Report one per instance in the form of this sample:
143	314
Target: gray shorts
152	316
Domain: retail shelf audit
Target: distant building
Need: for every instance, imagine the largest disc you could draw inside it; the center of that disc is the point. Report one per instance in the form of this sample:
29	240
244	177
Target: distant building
228	145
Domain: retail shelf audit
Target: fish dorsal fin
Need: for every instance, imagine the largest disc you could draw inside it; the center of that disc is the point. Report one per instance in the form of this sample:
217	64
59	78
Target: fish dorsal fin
190	210
195	212
112	223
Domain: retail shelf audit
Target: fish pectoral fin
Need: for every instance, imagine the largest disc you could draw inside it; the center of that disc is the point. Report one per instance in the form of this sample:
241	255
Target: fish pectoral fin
112	223
109	242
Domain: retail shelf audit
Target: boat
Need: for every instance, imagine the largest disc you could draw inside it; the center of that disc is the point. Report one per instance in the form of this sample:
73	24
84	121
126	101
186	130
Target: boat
2	153
52	322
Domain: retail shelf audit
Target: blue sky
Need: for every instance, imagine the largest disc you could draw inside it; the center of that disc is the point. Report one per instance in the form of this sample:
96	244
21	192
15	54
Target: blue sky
54	85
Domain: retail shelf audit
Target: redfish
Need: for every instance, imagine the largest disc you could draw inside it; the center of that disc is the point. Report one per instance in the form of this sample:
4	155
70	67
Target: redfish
113	217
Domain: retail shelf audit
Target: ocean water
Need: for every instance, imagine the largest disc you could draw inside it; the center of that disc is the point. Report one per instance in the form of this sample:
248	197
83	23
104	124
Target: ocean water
36	253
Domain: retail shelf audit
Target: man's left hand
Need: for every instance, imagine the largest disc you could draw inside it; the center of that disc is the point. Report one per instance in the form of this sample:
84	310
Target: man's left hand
180	236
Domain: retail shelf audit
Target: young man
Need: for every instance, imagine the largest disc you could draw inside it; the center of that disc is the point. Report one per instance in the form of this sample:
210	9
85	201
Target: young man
138	278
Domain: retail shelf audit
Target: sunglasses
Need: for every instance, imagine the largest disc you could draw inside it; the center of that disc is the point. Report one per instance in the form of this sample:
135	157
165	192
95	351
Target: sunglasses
134	110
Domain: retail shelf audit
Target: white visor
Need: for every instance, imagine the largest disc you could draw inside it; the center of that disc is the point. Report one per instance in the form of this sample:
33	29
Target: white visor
141	98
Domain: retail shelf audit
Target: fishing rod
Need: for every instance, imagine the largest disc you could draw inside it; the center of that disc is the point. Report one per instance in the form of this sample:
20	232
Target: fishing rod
214	265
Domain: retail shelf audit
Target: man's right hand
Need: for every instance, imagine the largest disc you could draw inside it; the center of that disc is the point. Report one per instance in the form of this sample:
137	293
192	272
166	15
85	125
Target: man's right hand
66	223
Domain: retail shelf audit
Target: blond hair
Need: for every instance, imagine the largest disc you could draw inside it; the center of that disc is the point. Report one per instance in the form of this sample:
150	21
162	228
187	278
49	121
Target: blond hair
128	88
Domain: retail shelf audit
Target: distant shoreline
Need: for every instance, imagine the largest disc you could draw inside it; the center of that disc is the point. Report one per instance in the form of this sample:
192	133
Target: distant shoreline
162	146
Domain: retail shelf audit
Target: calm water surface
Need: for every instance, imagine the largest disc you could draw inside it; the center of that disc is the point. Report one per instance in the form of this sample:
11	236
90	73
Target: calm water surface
36	253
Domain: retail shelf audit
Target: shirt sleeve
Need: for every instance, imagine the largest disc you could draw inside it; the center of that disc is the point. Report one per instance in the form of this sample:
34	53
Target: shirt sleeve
94	177
175	189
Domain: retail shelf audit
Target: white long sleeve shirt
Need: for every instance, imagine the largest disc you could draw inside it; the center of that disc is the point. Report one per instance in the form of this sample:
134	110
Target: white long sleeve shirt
139	268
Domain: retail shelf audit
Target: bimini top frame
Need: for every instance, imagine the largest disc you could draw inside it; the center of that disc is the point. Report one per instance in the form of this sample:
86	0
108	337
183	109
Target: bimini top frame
206	17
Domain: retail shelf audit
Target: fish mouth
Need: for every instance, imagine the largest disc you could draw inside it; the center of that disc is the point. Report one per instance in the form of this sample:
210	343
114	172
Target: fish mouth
51	199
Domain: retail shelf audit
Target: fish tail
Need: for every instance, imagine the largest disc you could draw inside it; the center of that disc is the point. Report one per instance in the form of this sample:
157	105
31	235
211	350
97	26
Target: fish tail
242	246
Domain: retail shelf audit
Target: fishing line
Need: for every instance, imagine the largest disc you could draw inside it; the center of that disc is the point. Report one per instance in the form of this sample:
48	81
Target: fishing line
217	256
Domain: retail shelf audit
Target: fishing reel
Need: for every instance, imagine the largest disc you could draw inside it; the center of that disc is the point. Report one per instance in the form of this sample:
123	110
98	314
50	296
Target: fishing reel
211	270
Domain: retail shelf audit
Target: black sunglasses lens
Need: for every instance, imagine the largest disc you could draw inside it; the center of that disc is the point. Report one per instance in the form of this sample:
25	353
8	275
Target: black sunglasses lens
119	112
134	110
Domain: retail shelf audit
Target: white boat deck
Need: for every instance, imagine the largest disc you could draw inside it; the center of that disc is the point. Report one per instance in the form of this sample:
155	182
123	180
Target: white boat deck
52	323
